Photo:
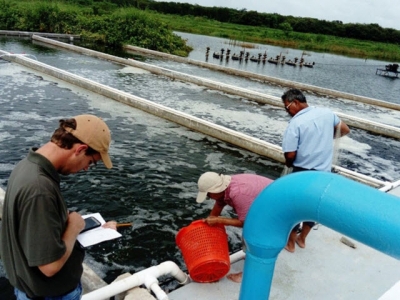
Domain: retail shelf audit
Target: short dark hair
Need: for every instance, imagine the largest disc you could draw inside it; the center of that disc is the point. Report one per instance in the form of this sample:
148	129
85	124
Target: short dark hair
294	94
66	140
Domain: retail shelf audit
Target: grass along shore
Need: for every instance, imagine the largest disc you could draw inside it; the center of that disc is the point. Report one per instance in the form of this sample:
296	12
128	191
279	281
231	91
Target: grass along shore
287	39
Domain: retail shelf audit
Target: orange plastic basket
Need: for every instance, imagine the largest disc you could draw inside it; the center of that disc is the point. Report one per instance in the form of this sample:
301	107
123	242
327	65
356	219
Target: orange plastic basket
205	251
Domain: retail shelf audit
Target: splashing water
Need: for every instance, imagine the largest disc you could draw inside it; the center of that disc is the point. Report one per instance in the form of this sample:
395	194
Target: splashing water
336	145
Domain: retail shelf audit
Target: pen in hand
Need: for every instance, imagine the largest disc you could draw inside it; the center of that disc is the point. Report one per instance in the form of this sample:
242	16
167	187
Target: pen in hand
123	225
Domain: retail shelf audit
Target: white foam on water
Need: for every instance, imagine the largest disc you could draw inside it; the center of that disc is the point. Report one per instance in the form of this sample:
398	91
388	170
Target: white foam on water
6	167
133	70
4	135
351	145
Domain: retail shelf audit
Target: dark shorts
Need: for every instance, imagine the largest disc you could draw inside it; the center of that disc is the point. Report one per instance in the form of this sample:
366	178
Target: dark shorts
311	224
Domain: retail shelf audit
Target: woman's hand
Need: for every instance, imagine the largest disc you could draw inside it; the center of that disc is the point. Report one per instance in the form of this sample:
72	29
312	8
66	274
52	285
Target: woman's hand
212	220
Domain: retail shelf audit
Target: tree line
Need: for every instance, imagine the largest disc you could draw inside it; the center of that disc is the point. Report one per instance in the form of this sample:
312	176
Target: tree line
369	32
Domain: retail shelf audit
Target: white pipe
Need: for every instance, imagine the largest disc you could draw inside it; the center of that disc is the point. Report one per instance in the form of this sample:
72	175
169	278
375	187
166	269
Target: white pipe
147	276
354	175
172	269
390	186
158	292
385	186
235	257
152	284
396	183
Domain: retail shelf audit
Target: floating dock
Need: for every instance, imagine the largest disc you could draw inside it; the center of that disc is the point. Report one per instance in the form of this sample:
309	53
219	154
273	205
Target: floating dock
390	70
386	73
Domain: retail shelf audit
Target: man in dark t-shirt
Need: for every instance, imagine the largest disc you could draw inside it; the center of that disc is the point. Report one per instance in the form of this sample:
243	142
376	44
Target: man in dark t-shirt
38	235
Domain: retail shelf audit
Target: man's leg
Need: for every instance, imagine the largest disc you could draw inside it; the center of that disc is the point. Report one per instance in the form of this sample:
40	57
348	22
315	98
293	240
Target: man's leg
290	246
301	239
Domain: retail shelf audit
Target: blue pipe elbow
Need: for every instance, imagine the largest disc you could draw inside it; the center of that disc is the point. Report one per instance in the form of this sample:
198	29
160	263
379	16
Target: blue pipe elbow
346	206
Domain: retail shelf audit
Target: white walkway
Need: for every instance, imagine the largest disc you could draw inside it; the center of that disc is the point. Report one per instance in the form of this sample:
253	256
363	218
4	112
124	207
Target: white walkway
326	269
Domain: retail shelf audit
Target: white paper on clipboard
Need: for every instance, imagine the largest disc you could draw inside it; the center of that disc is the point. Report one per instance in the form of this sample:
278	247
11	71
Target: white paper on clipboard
97	235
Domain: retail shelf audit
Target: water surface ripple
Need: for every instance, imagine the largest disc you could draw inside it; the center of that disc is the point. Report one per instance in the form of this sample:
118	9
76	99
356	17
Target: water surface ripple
156	162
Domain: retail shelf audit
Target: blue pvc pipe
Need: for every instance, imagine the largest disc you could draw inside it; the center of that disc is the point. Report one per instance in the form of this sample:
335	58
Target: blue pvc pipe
346	206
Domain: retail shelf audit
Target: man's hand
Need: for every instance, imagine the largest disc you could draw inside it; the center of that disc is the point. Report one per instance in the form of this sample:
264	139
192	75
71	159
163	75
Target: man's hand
289	158
110	224
75	222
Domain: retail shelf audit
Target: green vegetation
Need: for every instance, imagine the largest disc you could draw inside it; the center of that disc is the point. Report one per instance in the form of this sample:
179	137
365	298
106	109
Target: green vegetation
358	40
101	22
149	24
366	32
283	38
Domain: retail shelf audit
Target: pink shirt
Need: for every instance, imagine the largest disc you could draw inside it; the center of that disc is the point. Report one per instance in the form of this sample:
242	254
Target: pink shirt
242	191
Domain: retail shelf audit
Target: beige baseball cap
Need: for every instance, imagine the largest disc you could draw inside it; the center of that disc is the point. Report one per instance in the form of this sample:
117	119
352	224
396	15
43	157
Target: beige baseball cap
95	133
211	182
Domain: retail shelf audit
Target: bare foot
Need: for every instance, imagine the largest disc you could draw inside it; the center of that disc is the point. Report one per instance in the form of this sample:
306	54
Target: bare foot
301	242
235	277
290	247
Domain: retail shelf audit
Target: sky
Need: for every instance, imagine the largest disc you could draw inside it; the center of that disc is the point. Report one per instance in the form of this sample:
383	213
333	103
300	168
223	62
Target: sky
386	13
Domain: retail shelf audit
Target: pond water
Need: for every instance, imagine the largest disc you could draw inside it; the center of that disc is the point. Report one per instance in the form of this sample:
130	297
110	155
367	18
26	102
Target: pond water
351	75
156	162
